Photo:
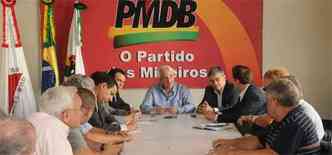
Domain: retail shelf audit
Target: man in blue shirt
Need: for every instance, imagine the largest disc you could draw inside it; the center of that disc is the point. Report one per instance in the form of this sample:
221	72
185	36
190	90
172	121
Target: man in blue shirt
167	96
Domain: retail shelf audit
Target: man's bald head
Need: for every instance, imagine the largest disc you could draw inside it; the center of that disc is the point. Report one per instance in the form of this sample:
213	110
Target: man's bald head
167	76
17	137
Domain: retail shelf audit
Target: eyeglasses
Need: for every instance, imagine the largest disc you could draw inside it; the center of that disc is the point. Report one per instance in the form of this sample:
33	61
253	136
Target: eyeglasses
120	80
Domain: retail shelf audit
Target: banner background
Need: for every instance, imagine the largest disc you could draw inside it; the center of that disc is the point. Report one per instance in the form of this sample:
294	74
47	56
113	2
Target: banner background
230	33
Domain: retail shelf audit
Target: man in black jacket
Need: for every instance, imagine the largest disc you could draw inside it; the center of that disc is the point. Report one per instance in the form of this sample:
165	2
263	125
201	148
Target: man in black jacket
251	100
220	94
103	117
117	102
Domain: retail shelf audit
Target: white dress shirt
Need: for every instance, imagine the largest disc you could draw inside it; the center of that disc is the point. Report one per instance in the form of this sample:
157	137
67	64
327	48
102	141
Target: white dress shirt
52	135
243	92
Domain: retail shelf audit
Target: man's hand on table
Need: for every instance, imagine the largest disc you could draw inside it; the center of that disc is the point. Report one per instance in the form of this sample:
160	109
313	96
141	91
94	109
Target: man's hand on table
171	110
222	151
131	121
210	115
120	137
204	107
250	119
163	110
138	114
222	143
260	120
158	110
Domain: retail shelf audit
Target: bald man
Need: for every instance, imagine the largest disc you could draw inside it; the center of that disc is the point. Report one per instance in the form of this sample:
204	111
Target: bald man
17	137
167	96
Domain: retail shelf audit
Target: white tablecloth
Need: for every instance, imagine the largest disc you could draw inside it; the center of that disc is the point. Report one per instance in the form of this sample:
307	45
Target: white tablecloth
159	136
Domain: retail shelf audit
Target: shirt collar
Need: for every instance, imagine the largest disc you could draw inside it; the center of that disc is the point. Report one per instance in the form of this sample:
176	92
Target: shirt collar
217	92
290	113
173	89
244	91
60	125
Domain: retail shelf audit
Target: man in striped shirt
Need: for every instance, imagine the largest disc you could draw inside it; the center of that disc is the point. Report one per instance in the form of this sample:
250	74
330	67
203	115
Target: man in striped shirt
293	132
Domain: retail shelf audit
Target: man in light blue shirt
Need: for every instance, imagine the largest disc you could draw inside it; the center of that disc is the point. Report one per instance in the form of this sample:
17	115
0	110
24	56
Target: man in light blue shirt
167	96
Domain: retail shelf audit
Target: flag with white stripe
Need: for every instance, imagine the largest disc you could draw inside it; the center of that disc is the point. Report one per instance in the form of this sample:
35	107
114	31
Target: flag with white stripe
16	96
74	61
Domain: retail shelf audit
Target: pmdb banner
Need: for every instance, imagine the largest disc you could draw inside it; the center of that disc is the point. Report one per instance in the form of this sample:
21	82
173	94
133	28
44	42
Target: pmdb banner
190	35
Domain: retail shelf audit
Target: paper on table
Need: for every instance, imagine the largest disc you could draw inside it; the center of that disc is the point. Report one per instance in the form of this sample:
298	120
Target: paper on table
205	128
211	126
216	125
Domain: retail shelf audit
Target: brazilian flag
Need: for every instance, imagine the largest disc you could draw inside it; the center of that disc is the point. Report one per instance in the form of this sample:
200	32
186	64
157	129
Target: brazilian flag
50	72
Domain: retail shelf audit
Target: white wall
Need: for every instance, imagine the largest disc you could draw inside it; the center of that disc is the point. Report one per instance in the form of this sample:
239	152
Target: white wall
330	57
297	35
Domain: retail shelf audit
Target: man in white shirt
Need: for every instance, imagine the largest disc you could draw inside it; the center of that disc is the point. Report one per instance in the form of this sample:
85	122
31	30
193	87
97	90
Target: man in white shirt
87	134
60	111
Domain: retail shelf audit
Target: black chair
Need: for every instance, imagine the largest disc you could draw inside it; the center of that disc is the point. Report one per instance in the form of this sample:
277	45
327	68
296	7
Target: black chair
327	124
326	143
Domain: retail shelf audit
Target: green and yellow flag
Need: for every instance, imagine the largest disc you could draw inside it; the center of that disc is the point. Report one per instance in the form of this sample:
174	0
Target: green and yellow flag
50	73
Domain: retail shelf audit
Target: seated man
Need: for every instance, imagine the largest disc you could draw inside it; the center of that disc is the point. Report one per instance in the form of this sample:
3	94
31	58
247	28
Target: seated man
60	110
80	81
167	96
220	94
76	138
251	100
120	77
293	132
265	120
86	88
103	116
17	137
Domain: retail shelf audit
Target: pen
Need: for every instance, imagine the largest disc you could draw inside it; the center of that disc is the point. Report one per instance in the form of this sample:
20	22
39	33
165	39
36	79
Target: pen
204	128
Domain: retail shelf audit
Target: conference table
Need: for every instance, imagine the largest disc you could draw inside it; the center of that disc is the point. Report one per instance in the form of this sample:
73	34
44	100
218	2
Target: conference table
157	135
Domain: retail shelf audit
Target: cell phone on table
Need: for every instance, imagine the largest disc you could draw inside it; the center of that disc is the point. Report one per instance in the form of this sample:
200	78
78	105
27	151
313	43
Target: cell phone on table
170	116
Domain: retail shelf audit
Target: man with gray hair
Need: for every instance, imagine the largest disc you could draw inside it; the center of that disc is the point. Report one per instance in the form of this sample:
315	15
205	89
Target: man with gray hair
60	110
17	137
220	94
292	132
167	96
78	137
91	134
80	81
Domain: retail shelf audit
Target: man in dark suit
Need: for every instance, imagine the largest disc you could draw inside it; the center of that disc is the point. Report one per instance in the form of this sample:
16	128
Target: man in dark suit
220	94
251	100
118	103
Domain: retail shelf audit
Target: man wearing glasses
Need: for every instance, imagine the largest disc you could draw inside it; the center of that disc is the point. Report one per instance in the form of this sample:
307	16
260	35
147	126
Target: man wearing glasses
167	96
60	111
